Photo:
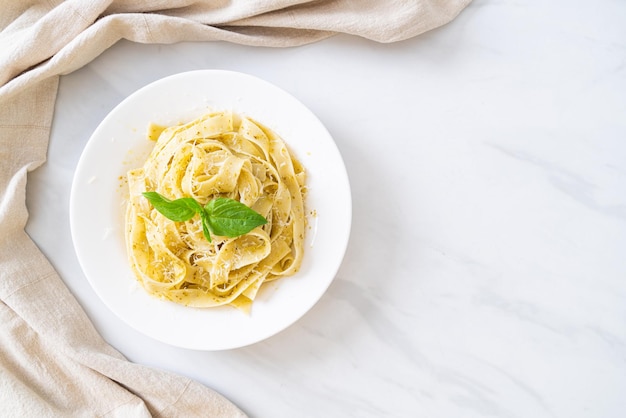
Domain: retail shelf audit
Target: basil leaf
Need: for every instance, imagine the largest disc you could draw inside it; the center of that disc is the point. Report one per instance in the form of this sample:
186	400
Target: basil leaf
206	227
221	216
231	218
178	210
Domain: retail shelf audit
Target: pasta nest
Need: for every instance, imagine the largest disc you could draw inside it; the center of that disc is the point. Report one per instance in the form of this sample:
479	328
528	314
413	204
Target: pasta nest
221	154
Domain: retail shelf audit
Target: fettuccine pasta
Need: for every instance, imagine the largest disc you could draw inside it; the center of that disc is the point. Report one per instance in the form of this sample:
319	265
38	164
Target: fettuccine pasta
218	155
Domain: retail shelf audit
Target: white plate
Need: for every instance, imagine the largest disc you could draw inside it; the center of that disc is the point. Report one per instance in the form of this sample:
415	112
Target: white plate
99	193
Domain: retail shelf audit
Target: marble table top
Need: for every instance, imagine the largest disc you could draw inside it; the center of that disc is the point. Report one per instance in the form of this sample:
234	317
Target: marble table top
486	272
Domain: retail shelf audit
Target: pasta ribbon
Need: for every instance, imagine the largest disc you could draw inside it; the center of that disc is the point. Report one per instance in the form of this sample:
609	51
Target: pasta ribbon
221	154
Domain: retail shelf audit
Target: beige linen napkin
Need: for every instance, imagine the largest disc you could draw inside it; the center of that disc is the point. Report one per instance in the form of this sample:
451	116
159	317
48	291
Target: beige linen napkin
52	360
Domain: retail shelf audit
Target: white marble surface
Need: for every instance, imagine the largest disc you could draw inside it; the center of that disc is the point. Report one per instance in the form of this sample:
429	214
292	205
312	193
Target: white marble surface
486	272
